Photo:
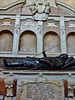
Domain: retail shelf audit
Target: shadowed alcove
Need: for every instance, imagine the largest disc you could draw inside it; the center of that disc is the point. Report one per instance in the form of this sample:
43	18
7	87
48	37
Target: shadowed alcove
28	42
71	42
51	42
6	40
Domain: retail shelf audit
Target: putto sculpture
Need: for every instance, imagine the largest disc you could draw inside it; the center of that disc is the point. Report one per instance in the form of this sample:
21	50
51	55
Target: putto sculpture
61	62
40	7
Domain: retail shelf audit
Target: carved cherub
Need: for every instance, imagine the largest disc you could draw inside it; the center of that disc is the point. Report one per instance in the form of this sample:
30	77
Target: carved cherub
39	7
47	8
33	8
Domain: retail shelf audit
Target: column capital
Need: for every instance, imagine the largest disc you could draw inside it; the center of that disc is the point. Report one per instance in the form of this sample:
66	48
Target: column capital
17	21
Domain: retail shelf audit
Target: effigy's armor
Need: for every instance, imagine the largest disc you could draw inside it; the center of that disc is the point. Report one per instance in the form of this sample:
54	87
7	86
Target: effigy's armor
62	62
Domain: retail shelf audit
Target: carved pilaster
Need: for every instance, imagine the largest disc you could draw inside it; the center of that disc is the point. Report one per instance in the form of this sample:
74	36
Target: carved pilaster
9	82
71	88
63	36
16	35
40	37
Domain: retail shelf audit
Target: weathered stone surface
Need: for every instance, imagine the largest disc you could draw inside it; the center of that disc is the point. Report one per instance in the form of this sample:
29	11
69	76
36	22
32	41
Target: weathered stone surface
40	89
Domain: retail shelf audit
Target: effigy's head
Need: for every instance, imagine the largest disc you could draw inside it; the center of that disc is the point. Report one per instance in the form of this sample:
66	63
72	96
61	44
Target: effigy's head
63	57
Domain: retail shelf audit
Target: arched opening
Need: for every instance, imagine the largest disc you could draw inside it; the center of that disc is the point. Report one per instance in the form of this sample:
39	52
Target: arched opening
51	42
71	42
6	40
28	42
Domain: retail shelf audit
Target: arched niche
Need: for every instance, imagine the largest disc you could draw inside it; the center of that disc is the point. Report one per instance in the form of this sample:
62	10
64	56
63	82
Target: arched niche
71	42
51	42
28	42
6	40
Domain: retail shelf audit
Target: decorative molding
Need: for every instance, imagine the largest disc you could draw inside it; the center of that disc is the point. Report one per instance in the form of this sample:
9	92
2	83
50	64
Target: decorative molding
40	26
17	21
51	25
71	25
65	7
29	24
6	24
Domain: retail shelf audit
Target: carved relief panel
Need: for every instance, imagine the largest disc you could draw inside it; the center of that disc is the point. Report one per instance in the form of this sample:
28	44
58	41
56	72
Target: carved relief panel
69	27
40	89
52	25
28	24
7	24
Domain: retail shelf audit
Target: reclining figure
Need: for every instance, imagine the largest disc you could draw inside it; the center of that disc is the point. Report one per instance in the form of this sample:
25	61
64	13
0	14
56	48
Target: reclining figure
62	62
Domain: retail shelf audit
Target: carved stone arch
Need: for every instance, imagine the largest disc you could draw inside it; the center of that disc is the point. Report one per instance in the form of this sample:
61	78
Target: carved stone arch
8	5
51	42
51	32
28	42
6	30
6	40
28	30
66	7
70	41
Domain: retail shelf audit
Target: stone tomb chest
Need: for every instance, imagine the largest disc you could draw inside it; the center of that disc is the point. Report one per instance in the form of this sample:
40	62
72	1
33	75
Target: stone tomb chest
40	89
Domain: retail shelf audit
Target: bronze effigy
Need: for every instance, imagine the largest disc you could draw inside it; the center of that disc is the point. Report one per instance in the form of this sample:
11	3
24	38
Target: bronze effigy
62	62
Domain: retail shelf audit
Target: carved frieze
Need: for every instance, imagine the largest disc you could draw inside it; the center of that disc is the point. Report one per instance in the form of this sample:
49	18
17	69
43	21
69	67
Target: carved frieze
6	24
51	25
29	24
71	25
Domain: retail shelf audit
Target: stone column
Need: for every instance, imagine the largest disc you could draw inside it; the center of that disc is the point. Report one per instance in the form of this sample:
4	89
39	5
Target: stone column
16	35
62	35
9	82
40	38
